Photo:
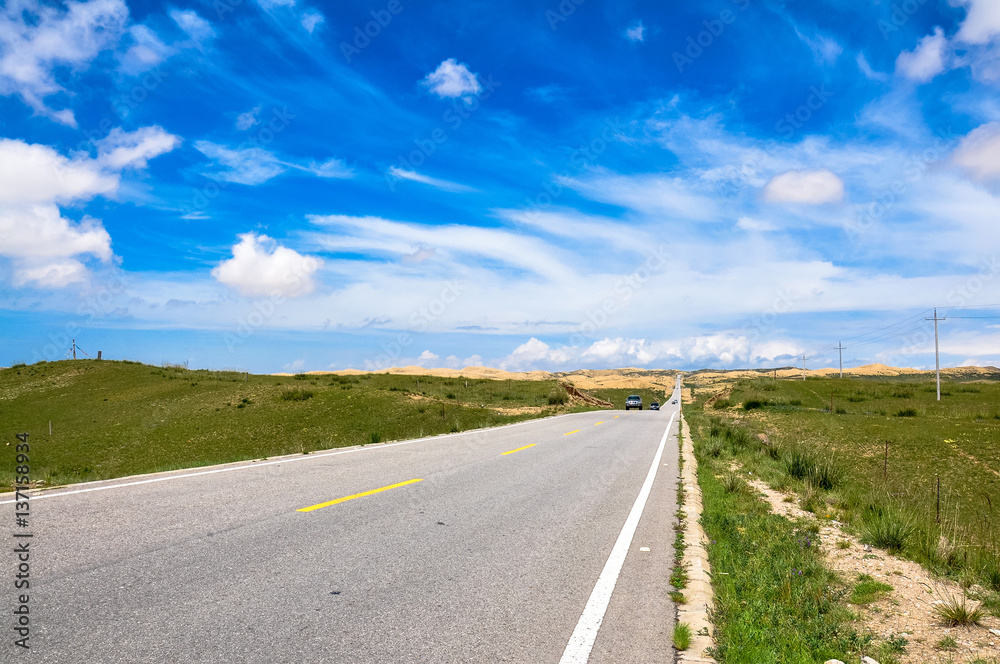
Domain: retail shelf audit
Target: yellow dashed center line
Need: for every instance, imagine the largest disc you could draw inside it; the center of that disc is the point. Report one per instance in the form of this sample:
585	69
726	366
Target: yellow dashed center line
570	433
518	449
357	495
616	417
597	423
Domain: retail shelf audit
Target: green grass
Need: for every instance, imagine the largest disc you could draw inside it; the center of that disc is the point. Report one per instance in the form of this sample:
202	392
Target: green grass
111	419
682	636
775	600
840	465
867	590
954	611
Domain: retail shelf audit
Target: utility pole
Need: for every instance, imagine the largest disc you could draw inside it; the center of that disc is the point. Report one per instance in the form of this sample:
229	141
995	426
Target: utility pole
840	347
803	366
74	349
937	355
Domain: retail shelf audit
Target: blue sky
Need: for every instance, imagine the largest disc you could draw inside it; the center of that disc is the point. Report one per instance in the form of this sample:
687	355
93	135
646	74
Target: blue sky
297	185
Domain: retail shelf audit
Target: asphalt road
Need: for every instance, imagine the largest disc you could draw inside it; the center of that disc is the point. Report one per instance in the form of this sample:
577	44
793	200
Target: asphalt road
492	556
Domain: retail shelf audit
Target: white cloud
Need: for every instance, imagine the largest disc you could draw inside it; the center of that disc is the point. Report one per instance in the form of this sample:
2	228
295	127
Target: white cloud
246	120
865	68
311	20
197	28
146	51
979	153
34	235
982	23
755	225
35	39
654	194
636	32
427	359
120	149
33	174
253	166
51	275
383	236
262	267
445	185
825	50
534	354
927	60
40	231
807	187
452	79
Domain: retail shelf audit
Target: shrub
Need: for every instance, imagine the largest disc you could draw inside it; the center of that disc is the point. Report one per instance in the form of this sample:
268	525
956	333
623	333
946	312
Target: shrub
798	464
954	611
722	403
558	396
753	404
733	483
374	438
297	395
713	448
450	395
907	412
300	376
795	402
886	529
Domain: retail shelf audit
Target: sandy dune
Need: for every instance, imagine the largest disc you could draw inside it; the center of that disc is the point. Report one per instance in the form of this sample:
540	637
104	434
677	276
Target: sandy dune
634	378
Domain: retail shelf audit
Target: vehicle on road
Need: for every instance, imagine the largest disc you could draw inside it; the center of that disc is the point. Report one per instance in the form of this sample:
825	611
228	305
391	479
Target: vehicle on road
654	406
674	401
633	401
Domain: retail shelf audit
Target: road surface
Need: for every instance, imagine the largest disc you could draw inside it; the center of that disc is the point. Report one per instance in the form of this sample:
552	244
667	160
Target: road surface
502	545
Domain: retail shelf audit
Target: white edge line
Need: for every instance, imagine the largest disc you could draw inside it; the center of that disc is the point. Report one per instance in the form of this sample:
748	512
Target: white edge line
582	641
304	457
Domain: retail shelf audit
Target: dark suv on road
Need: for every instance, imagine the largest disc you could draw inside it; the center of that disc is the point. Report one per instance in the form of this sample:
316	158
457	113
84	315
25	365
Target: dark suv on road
634	401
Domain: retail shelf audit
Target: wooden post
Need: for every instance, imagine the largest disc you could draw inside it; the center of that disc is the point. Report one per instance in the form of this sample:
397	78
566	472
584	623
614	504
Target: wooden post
938	498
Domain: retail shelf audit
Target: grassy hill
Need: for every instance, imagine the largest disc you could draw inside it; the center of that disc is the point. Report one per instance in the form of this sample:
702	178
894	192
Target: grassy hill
111	419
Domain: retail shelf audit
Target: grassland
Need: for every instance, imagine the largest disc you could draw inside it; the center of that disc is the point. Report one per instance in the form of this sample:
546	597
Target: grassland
111	419
892	441
786	433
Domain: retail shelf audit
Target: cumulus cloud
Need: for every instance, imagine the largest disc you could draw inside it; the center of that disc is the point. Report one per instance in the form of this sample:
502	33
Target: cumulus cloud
44	246
428	359
636	32
452	79
535	354
806	187
35	39
710	350
262	267
978	153
982	23
927	60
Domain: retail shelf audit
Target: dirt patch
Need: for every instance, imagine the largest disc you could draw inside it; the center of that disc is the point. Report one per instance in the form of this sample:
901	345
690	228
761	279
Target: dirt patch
907	610
577	395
